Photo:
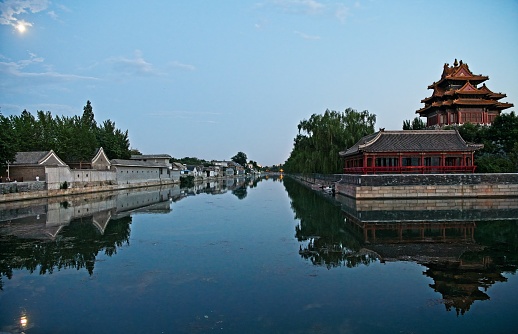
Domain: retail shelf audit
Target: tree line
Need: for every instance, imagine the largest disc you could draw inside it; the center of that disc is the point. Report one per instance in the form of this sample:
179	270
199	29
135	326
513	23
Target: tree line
322	137
74	139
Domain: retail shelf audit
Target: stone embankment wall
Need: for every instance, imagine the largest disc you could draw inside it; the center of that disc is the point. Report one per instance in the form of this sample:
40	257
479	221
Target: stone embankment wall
427	185
317	181
31	190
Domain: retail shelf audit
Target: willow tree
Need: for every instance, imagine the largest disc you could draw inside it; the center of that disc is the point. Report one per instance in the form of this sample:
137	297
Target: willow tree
321	137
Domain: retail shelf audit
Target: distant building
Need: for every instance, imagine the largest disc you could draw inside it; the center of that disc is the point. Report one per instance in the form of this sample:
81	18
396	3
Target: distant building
457	99
155	158
137	171
422	151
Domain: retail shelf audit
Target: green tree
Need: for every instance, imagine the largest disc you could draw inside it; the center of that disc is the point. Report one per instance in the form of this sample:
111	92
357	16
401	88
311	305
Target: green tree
85	139
114	141
26	134
416	124
240	158
322	137
45	131
7	142
74	139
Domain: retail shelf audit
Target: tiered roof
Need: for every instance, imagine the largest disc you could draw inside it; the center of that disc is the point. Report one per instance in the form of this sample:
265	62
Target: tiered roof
446	91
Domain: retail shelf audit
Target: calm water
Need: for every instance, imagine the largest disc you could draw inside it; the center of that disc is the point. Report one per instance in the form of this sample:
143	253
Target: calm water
268	256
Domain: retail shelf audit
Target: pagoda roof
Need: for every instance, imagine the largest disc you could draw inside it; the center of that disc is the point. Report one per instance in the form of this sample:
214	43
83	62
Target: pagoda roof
411	141
468	88
474	102
491	94
458	72
503	105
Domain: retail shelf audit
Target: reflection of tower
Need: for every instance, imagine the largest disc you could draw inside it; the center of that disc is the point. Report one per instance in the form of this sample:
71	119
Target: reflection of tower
460	282
441	236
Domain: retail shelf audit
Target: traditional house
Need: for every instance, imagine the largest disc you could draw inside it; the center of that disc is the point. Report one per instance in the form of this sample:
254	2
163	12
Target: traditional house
136	171
30	166
457	99
210	171
177	169
99	161
155	158
195	170
423	151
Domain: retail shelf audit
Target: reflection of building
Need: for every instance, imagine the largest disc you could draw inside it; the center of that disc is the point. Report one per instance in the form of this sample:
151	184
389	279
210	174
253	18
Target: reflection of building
438	234
456	99
464	282
44	219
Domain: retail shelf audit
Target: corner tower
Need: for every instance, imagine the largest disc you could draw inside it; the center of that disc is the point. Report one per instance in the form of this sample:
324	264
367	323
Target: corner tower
458	99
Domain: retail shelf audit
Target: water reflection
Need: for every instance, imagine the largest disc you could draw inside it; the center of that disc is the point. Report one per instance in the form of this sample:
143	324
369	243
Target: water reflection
60	233
467	245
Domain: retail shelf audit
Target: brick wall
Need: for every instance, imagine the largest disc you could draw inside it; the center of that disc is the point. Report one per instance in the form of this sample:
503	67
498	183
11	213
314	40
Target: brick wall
428	185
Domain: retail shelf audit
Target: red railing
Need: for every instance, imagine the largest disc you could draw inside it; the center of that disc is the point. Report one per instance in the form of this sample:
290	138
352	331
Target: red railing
410	169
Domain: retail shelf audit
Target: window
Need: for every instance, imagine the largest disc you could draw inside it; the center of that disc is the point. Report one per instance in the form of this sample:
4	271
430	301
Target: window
432	161
412	161
472	117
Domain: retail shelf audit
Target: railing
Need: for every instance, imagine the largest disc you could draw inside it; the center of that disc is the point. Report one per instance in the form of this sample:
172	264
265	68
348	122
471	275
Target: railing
410	169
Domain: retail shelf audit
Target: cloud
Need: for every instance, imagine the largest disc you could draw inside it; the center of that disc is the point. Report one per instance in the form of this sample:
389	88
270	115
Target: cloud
342	12
134	66
55	109
53	15
300	6
16	76
208	117
305	36
184	114
10	9
182	65
310	7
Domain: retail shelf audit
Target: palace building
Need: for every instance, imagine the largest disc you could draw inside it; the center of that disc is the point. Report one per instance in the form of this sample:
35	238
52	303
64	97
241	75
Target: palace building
457	98
410	151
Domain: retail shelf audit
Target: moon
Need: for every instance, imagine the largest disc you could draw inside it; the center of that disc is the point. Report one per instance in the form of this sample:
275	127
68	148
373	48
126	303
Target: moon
21	27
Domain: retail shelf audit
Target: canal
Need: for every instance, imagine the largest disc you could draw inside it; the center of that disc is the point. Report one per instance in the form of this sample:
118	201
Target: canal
257	256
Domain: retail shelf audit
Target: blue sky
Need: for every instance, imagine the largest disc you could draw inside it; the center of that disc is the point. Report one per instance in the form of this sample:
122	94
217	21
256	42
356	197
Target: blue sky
208	79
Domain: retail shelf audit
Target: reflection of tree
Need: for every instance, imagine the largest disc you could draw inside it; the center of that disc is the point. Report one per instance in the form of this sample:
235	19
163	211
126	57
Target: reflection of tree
240	192
77	246
321	228
463	257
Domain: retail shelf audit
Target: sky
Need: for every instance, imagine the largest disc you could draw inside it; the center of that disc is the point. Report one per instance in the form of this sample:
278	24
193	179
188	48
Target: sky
209	79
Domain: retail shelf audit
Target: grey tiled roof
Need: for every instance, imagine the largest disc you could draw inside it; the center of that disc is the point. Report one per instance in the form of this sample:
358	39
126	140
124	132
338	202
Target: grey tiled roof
136	163
29	158
411	141
150	156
